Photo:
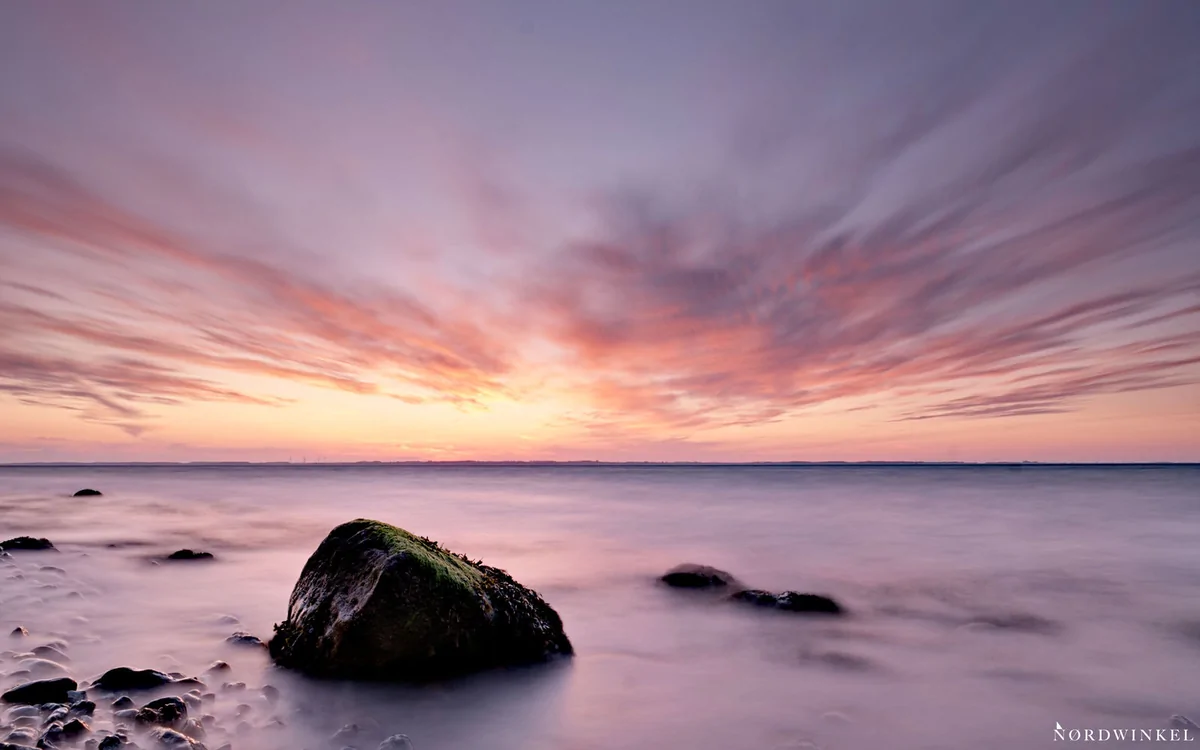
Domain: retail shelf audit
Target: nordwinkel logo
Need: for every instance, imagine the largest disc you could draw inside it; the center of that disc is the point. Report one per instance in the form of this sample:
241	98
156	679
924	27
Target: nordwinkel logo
1182	730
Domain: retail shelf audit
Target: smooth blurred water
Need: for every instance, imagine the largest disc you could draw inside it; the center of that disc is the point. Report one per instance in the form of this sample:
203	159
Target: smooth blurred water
988	603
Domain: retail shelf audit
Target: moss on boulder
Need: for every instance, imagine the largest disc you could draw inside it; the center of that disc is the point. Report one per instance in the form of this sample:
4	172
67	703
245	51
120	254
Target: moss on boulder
376	602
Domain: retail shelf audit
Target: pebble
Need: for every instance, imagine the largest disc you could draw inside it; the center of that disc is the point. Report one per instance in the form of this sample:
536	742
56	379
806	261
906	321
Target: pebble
396	742
122	703
19	631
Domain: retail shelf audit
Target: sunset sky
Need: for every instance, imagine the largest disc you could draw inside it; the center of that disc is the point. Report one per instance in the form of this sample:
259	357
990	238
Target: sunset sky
599	230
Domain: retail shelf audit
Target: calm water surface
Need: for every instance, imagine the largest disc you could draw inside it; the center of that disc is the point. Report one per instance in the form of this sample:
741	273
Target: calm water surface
988	603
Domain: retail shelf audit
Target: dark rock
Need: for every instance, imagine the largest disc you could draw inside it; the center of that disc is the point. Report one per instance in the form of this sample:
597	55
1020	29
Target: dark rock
791	601
83	708
218	666
271	693
187	554
396	742
111	742
242	638
11	746
88	493
755	596
376	602
54	735
51	653
19	632
75	728
126	713
122	703
194	729
121	679
689	576
25	543
41	691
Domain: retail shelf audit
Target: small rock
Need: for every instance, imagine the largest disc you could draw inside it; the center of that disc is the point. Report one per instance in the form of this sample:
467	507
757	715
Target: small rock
54	735
83	708
21	737
75	728
757	597
242	710
271	693
242	638
111	742
122	703
1179	721
791	601
58	713
43	667
233	686
173	739
19	632
52	652
41	691
396	742
76	696
193	701
25	543
187	554
126	713
193	728
87	493
218	666
121	679
690	576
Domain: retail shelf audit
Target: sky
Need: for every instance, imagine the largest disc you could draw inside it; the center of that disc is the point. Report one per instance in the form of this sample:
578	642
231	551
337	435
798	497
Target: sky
657	230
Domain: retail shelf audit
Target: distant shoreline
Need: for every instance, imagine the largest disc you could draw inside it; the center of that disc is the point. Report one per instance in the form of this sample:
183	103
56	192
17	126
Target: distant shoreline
600	464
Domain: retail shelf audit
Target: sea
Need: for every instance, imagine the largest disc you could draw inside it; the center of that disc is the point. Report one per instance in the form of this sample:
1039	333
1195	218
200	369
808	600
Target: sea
989	606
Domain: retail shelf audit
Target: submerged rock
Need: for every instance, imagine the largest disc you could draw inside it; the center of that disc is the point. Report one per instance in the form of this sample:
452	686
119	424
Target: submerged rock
755	596
164	712
376	602
691	576
791	601
124	678
41	691
88	493
187	554
396	742
19	632
242	638
111	742
25	543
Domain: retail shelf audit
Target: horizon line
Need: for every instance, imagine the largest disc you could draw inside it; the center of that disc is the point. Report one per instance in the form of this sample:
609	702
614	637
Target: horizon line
588	462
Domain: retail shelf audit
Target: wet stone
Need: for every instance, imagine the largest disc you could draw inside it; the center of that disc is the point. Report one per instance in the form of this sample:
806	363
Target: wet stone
41	691
242	638
123	678
122	703
19	632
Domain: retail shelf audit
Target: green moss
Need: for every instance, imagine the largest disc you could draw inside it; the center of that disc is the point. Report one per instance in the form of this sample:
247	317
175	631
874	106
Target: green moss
442	564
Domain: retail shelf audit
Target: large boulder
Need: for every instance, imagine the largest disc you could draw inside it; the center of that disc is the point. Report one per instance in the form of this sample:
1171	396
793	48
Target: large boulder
376	602
41	691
